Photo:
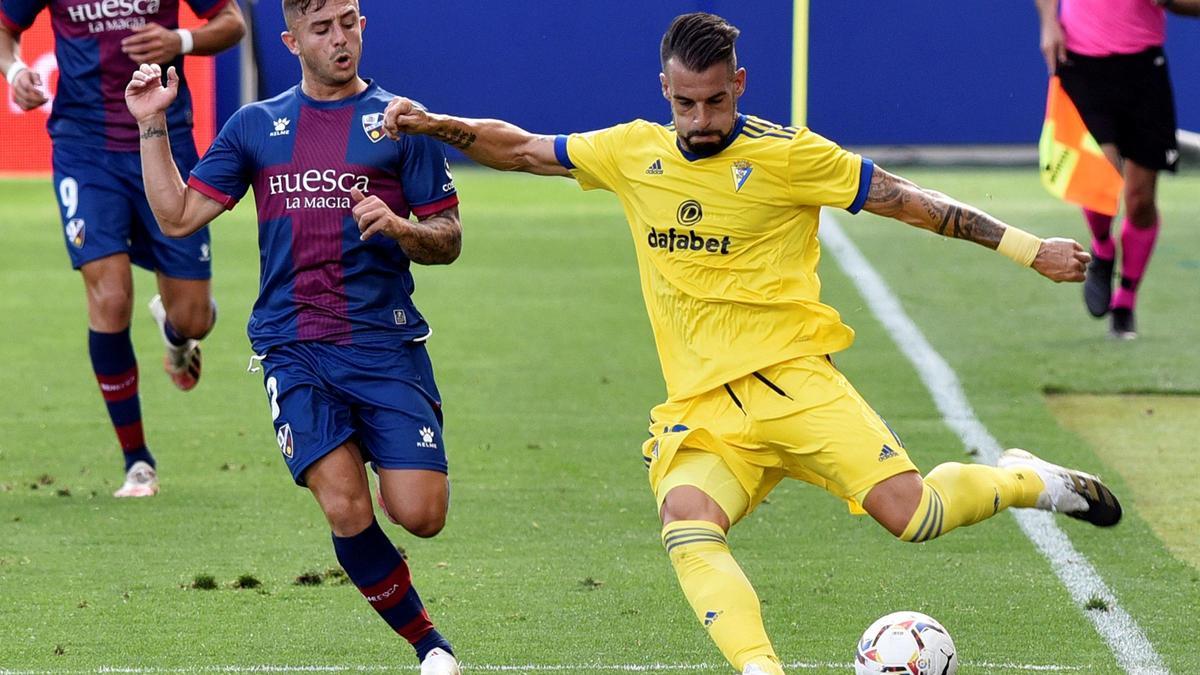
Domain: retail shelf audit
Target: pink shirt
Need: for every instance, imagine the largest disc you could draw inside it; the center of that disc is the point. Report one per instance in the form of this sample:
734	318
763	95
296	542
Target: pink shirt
1107	27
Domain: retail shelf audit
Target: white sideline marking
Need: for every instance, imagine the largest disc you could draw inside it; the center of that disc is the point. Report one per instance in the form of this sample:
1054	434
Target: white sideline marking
1125	638
531	668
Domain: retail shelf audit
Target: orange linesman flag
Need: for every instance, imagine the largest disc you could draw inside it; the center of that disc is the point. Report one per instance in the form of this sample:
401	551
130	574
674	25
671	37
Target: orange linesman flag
1074	168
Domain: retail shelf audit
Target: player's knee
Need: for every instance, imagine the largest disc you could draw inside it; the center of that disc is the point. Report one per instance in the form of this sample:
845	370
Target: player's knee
190	318
1140	208
423	520
348	514
423	523
686	502
110	304
429	525
894	501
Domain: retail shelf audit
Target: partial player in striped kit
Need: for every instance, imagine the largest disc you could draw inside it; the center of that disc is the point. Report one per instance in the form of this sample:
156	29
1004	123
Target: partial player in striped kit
1109	56
341	343
106	221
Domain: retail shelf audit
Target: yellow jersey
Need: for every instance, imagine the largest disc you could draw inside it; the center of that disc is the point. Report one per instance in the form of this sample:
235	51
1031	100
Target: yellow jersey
727	243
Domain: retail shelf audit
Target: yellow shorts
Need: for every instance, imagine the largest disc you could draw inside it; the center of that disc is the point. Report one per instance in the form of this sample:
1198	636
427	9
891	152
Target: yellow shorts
797	419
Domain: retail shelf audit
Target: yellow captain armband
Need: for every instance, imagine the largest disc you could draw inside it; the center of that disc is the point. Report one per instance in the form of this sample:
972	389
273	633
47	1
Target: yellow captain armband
1019	245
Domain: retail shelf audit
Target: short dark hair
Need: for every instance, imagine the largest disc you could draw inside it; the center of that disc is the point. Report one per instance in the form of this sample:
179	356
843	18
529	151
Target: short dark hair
295	8
699	40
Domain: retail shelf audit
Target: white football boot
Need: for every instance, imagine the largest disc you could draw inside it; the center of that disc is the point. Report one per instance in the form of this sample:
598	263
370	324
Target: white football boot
440	662
140	481
1072	493
182	362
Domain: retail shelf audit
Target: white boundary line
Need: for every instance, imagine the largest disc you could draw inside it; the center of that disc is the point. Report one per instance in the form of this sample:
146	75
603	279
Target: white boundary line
1125	638
532	668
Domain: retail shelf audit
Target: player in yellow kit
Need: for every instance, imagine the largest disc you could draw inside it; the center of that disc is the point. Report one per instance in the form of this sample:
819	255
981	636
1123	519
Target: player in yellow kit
724	209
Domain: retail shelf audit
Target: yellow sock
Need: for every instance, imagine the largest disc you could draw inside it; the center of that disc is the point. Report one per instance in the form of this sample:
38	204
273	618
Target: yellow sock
964	494
720	593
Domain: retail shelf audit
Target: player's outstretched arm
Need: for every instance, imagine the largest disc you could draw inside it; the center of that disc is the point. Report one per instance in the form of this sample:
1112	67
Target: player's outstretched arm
152	43
435	240
23	82
895	197
493	143
179	209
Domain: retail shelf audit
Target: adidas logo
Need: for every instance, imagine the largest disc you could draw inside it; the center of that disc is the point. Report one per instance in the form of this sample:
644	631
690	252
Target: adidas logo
886	453
655	169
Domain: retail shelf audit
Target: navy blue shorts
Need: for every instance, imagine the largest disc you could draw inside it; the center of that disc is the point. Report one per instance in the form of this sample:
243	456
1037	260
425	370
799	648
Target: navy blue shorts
383	398
104	212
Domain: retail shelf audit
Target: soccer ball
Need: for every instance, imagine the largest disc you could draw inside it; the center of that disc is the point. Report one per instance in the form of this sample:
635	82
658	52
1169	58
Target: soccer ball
906	643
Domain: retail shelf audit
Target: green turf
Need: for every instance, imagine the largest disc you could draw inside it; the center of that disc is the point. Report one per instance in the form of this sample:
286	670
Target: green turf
1149	441
551	554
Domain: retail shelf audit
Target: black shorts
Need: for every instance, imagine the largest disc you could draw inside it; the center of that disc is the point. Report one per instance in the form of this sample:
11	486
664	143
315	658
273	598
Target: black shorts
1126	99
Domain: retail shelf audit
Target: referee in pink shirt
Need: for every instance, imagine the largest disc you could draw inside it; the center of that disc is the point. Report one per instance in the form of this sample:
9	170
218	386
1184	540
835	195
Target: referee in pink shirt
1109	56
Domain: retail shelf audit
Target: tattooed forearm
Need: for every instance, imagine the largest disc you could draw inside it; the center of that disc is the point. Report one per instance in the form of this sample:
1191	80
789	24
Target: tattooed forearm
901	199
154	132
972	225
454	137
434	241
952	218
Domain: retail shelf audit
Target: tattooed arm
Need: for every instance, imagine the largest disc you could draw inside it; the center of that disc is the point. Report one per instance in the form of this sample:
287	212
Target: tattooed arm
896	197
435	240
493	143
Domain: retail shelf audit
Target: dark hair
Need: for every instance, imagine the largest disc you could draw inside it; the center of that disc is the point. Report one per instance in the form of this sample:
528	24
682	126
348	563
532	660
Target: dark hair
295	8
699	40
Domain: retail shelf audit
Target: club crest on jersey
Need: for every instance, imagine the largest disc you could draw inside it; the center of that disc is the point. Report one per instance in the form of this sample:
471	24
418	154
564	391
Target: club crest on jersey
281	127
76	232
284	438
741	171
373	126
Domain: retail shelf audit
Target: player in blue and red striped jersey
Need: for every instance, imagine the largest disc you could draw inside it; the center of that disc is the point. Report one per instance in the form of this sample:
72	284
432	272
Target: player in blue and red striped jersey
97	178
340	341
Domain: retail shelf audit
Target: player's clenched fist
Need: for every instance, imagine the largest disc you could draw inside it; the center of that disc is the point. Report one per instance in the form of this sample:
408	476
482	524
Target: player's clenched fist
403	117
375	217
1061	260
146	96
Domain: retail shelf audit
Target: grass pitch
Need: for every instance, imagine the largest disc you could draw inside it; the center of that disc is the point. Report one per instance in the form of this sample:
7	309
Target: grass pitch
551	555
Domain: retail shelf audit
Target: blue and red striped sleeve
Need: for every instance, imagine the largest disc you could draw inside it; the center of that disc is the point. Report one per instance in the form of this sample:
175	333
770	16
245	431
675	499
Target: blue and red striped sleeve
207	9
225	172
425	175
18	15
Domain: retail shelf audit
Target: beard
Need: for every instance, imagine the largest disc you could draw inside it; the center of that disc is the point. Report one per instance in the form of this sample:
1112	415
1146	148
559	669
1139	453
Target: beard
705	148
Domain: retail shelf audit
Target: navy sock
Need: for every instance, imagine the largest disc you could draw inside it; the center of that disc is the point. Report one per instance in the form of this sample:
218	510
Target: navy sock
376	568
116	371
